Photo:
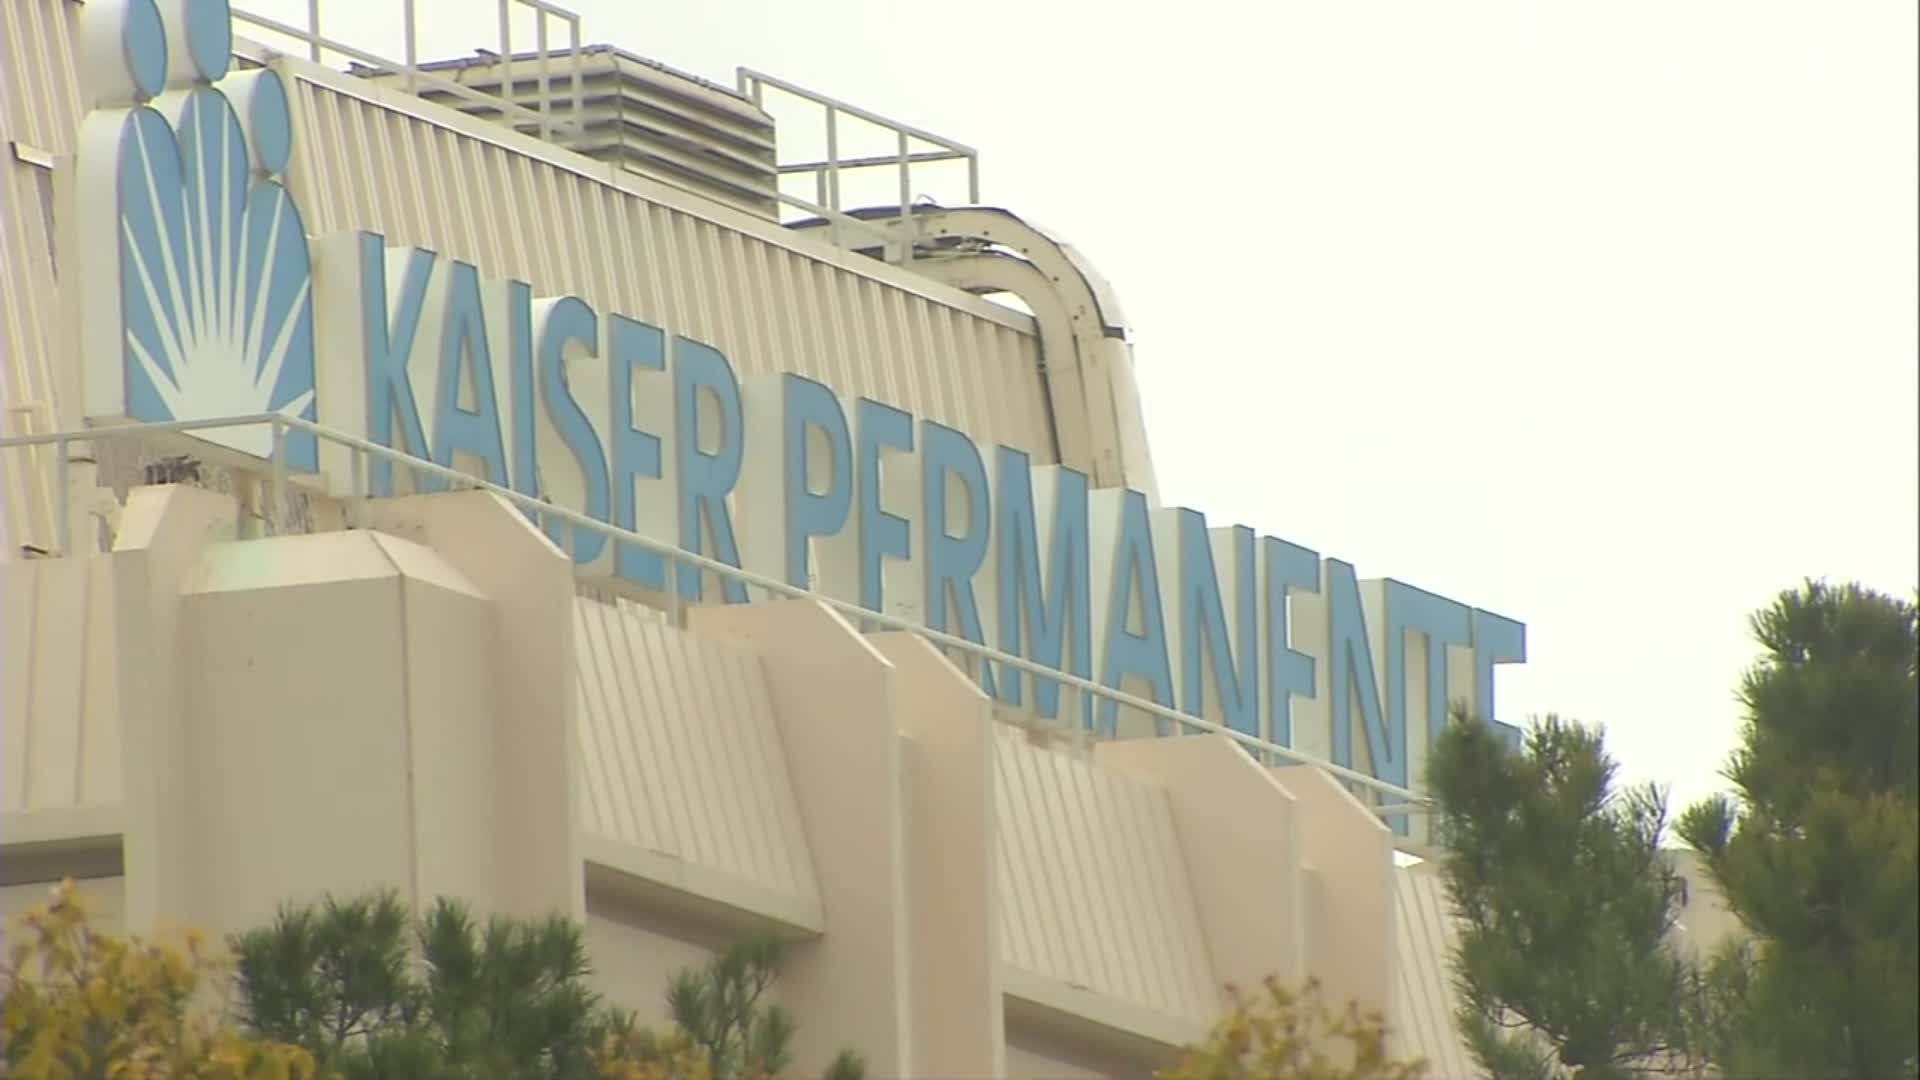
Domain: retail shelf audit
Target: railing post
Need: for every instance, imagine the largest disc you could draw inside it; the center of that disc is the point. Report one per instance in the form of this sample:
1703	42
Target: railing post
277	484
833	159
413	57
906	202
506	54
546	95
63	529
313	30
579	73
676	610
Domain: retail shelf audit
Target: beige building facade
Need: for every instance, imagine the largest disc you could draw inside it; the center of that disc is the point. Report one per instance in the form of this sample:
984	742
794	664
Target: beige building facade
1011	829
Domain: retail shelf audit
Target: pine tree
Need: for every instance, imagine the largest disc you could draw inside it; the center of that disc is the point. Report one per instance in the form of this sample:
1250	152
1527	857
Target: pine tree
1565	901
1816	849
506	1000
720	1013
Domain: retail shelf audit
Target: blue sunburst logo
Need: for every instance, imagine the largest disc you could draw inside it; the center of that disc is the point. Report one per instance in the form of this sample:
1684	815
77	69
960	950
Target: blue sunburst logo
214	274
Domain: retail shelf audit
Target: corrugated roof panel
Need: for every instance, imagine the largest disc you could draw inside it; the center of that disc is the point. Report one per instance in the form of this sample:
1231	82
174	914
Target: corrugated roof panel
1097	895
42	87
59	718
1425	1002
679	750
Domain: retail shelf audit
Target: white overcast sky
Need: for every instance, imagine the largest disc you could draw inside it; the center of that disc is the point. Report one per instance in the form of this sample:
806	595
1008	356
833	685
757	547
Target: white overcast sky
1602	316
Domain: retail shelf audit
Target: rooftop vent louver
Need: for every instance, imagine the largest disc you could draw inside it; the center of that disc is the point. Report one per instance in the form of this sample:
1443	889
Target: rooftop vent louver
635	113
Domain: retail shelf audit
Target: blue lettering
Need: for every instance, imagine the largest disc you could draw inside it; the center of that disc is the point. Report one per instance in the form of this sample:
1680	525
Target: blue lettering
526	479
1444	622
1353	682
882	534
464	344
636	453
570	321
1127	653
388	347
809	405
1496	640
706	479
1054	608
1203	624
953	560
1289	671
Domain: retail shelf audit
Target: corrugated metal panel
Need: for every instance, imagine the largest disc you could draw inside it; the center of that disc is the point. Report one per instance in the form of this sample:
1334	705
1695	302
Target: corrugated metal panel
771	300
1424	1001
679	750
59	723
1096	886
41	80
29	304
40	114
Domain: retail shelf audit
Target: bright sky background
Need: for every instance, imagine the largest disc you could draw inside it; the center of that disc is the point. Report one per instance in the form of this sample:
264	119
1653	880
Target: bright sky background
1601	316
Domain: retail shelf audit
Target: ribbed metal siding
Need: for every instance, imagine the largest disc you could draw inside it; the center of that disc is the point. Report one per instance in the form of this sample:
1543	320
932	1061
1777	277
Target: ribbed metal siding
40	111
1096	891
679	750
770	300
1424	1001
59	724
42	84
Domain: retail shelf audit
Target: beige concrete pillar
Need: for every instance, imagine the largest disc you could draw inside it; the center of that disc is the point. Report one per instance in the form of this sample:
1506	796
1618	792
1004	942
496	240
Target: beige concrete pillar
162	533
1351	926
833	696
529	582
959	1018
1240	831
339	702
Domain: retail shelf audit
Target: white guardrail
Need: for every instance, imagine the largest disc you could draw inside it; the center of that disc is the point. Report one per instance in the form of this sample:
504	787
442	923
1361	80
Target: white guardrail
363	452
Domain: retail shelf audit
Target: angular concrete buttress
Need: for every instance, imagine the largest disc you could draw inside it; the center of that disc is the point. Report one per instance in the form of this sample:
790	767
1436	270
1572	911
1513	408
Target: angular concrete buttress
947	723
1350	902
339	710
531	678
1240	833
833	695
163	531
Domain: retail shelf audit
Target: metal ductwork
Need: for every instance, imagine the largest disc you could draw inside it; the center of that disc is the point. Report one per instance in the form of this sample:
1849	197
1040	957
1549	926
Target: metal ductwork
1087	360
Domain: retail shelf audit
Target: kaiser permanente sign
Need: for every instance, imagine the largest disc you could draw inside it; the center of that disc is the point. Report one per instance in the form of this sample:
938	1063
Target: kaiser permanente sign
213	304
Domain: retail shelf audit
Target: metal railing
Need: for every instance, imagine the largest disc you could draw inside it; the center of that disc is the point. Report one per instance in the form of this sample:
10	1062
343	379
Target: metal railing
414	79
363	453
826	173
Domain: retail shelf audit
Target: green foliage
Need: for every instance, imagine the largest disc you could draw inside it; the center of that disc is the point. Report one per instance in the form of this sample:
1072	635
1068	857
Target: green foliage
1565	899
375	993
1816	850
720	1010
78	1003
1279	1034
507	1001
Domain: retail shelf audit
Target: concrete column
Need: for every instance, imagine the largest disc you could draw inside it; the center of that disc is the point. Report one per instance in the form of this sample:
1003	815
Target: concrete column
1351	928
534	806
162	533
959	1016
834	699
1241	834
339	701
